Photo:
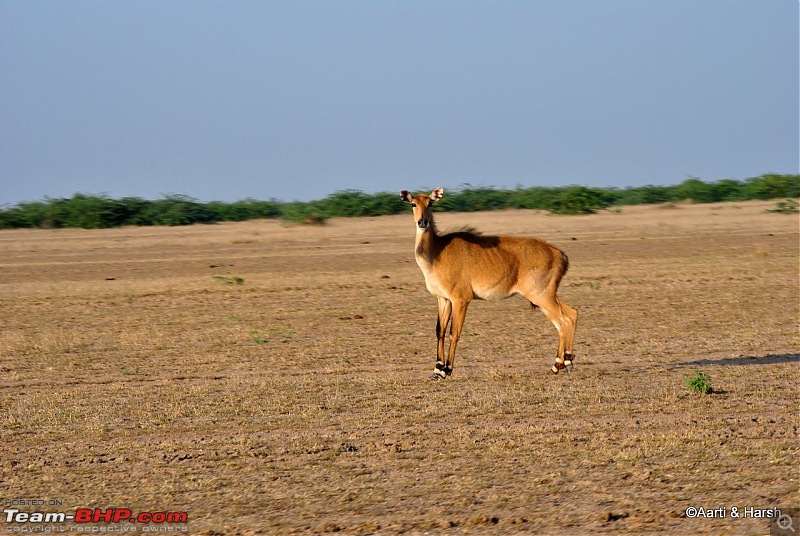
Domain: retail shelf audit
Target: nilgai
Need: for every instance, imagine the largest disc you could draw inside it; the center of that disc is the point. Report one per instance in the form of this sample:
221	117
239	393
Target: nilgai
464	265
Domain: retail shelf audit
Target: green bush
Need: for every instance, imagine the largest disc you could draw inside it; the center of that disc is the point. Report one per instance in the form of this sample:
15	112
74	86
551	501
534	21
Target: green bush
700	382
538	198
772	186
650	195
696	190
790	206
728	190
475	200
303	213
580	200
100	211
247	209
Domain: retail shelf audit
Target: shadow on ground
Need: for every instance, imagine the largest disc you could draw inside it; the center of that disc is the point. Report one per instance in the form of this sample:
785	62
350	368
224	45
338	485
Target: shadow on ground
771	359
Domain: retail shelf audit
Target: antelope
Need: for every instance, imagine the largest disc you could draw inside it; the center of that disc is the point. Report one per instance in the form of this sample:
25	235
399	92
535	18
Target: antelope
464	265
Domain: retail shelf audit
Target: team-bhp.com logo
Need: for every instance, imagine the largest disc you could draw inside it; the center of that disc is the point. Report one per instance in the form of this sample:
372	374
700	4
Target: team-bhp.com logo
96	515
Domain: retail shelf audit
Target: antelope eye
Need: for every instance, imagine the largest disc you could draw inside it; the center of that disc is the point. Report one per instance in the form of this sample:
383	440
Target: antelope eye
413	204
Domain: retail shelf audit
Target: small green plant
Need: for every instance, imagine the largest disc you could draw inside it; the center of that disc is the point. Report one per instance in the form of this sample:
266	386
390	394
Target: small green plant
274	333
790	206
699	383
232	280
258	339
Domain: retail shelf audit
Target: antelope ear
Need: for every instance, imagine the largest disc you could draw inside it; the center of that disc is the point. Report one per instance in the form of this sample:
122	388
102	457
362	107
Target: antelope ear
437	194
406	196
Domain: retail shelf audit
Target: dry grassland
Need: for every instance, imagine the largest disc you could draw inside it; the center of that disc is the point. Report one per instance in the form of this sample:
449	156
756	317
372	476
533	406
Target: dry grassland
134	372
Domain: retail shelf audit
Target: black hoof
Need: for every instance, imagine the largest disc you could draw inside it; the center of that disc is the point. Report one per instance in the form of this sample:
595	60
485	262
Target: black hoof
441	371
438	375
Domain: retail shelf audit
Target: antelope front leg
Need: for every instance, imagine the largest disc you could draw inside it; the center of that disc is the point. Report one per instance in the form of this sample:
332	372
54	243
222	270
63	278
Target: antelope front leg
445	311
459	313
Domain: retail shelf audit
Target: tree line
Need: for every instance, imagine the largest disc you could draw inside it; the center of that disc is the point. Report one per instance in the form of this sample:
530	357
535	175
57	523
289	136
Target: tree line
100	211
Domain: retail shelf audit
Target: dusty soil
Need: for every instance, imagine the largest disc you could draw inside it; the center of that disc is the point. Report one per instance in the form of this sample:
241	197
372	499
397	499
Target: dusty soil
135	372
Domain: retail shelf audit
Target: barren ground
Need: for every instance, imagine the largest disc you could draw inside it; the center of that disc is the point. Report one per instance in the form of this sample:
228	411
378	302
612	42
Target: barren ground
135	373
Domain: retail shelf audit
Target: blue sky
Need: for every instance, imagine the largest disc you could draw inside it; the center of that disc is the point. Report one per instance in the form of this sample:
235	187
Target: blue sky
297	99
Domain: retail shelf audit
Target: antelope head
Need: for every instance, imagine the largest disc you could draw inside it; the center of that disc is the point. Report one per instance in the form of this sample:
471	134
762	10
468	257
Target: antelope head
421	205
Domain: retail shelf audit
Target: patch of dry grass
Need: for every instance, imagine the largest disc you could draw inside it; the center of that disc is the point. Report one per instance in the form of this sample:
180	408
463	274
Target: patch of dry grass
297	402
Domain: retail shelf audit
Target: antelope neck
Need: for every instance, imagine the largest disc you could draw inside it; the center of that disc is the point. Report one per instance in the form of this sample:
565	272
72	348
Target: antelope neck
426	242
